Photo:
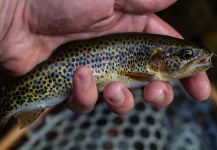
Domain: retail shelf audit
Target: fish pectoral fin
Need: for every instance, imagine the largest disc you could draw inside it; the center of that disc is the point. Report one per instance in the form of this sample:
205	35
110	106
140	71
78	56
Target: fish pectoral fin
27	118
139	76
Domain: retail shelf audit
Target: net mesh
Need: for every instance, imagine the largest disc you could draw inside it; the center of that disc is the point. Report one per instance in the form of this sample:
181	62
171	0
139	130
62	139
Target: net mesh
184	125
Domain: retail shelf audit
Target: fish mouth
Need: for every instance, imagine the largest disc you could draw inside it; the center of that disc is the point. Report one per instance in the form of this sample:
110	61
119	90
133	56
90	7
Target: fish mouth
205	60
199	65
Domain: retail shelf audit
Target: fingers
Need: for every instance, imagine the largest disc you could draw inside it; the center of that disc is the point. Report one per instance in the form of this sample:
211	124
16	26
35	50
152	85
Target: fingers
118	97
85	92
142	6
197	86
158	94
156	25
148	23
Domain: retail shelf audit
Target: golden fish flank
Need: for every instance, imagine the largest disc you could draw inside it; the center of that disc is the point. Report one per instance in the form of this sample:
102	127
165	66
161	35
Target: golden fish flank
132	58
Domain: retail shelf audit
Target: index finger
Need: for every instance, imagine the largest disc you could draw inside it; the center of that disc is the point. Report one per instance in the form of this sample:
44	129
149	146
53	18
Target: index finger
198	86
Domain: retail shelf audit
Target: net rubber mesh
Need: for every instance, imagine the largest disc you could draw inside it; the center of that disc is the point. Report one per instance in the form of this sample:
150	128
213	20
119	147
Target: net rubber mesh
184	125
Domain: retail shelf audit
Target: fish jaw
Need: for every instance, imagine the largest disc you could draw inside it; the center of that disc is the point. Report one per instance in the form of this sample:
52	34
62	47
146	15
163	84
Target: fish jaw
197	66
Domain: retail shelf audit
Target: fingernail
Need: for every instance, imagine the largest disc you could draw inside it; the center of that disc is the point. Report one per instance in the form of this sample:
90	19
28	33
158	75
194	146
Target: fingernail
118	97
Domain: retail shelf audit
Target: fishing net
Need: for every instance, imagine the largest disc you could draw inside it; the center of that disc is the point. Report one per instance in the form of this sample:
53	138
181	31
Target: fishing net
184	125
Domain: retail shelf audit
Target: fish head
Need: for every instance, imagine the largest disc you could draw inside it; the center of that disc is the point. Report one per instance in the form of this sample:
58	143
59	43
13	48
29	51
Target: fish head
181	61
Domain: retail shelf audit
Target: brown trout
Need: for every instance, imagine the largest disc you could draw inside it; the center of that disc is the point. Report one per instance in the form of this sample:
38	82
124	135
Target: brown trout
131	58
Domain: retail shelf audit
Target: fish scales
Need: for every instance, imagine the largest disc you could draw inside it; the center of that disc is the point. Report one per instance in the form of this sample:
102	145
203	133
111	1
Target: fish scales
131	58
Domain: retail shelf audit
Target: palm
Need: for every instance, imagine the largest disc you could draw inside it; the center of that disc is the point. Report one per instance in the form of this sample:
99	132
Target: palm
46	24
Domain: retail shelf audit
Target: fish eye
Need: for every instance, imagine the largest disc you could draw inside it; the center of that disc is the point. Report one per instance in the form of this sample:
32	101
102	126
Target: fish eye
186	54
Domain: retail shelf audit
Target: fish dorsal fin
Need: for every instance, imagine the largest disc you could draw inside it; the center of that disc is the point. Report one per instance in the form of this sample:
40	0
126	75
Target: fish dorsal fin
26	118
138	76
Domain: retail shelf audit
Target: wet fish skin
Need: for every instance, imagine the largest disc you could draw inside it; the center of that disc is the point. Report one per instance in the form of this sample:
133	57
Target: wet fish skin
132	58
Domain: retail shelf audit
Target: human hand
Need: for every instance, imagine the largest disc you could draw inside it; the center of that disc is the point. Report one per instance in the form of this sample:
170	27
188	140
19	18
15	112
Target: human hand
31	30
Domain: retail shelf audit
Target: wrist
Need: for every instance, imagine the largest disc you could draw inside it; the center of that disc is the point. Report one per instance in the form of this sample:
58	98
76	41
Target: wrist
7	10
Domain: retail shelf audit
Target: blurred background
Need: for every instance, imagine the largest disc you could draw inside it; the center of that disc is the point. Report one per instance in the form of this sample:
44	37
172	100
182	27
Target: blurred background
184	125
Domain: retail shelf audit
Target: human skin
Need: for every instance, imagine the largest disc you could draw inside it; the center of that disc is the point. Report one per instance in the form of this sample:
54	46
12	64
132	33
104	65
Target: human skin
30	31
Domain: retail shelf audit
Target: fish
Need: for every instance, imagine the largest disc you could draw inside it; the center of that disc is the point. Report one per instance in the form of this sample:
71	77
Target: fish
132	58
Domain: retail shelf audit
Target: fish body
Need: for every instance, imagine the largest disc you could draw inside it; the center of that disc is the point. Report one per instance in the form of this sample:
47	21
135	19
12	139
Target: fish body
132	58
